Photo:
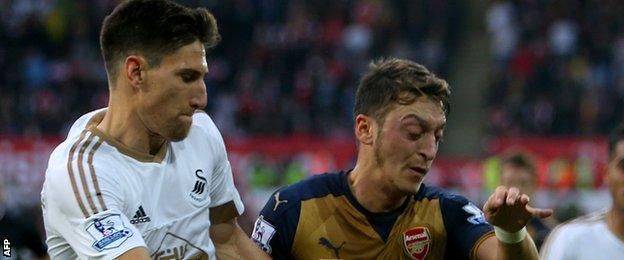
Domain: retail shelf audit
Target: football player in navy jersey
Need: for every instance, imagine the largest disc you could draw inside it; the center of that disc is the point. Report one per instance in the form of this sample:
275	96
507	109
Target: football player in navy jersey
380	209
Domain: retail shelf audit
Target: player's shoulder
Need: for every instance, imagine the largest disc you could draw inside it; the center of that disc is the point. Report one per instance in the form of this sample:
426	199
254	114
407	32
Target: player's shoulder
445	196
80	170
79	159
287	200
316	186
81	123
565	238
203	121
582	225
76	133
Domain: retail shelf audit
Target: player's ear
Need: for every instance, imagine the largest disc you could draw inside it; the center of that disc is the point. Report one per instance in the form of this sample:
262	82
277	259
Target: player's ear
134	68
364	129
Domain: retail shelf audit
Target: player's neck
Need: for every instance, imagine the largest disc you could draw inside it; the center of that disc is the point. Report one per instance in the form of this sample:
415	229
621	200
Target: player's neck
122	124
367	186
615	222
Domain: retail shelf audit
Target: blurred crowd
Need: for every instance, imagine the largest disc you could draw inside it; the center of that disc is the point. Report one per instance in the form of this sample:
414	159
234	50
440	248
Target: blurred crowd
558	66
283	67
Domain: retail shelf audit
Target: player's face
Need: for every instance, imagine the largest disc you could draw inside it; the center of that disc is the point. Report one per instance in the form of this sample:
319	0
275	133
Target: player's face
408	142
615	176
518	177
173	91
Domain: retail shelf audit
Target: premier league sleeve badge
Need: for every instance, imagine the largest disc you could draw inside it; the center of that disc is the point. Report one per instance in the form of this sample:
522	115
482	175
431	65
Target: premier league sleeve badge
108	232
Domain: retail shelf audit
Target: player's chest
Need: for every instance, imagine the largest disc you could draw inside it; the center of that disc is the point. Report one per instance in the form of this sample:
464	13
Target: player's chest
170	206
162	193
348	235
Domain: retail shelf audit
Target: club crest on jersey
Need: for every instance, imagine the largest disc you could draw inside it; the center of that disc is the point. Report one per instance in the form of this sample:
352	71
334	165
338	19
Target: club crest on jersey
417	242
200	190
108	232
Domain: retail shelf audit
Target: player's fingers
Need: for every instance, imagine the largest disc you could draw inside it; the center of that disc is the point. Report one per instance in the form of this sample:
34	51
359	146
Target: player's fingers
524	199
500	194
512	196
490	204
540	213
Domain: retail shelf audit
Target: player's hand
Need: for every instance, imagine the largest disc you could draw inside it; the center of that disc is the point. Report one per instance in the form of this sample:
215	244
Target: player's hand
509	210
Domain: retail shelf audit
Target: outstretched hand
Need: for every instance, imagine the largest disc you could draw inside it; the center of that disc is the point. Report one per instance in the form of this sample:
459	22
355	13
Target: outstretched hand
509	210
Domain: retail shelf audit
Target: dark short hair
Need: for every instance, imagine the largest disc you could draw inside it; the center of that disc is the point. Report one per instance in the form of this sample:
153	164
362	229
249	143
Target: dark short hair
389	81
616	136
520	160
153	29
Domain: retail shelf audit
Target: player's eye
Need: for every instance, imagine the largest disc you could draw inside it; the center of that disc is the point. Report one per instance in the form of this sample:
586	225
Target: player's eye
188	77
414	136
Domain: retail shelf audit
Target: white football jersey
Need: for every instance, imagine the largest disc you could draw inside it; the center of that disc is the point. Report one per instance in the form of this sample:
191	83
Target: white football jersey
587	237
101	199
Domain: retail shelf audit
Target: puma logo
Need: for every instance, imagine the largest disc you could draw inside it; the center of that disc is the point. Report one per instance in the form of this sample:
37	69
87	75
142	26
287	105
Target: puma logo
278	201
326	243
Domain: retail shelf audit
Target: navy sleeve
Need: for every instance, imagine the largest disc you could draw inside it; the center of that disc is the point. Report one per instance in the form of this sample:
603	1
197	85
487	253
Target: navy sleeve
275	228
465	225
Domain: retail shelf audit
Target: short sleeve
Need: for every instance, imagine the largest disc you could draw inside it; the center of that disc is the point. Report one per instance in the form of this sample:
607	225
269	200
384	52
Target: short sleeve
465	224
222	189
275	228
83	213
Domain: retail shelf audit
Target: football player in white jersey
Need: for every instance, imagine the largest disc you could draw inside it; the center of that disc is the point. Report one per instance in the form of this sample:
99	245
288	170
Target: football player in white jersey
599	235
148	176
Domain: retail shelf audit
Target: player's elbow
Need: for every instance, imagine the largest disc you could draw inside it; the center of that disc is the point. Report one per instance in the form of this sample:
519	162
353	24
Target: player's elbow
223	233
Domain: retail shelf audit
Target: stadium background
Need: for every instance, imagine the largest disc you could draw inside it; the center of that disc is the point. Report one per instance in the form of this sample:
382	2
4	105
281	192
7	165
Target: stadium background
546	77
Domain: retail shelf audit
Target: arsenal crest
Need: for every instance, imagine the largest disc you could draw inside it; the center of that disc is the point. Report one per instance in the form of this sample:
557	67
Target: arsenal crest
417	242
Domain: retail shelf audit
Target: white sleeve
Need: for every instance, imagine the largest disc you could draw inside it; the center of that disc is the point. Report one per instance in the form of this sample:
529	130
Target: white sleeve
222	189
558	245
85	222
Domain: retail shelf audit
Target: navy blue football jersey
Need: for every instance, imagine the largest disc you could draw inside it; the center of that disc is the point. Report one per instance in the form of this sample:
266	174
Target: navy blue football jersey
319	218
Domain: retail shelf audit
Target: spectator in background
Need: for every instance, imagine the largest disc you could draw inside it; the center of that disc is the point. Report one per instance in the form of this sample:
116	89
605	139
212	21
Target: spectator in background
598	235
20	231
518	170
299	57
557	67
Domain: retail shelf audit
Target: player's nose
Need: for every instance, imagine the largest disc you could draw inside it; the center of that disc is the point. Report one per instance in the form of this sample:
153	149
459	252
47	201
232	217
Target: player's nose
428	147
199	97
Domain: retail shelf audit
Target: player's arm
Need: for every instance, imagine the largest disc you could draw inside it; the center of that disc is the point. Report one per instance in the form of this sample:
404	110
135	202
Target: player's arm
509	212
229	239
135	253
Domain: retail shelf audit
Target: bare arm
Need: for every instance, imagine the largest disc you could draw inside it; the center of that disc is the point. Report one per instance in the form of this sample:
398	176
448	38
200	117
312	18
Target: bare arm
135	253
229	239
232	243
508	210
492	248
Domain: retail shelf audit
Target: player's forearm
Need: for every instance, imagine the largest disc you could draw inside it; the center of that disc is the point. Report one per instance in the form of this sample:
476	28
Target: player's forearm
247	248
232	243
523	250
494	249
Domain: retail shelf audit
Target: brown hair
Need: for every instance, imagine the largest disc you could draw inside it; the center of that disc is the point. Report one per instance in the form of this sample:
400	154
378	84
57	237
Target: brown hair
393	80
153	29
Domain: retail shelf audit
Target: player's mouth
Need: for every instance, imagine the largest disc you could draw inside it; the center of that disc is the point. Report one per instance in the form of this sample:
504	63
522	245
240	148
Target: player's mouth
186	118
421	170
